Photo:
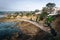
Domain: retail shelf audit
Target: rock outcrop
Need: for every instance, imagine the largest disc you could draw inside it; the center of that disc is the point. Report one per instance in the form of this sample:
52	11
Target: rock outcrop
56	26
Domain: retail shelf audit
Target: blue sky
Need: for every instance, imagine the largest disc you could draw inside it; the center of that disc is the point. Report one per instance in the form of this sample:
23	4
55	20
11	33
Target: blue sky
25	5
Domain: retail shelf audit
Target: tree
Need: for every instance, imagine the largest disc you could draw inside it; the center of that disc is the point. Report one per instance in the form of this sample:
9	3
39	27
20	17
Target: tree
21	14
37	10
28	14
44	9
50	6
43	15
9	15
47	10
16	14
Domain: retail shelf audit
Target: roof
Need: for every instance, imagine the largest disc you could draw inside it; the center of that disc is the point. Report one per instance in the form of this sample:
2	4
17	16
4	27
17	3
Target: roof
38	13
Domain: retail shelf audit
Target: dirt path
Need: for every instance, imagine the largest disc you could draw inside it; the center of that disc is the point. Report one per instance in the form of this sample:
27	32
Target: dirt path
46	29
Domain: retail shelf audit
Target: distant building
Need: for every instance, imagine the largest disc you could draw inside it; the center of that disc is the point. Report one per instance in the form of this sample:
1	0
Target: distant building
57	8
55	11
38	12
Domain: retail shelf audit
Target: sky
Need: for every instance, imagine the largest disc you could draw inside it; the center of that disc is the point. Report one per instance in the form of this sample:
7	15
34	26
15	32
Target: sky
25	5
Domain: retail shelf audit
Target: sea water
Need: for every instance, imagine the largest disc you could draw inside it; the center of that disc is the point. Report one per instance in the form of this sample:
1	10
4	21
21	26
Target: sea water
7	28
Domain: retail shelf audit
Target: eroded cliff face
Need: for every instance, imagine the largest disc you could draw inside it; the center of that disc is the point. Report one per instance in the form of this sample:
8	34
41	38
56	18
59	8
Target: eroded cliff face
56	26
32	32
56	23
28	31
